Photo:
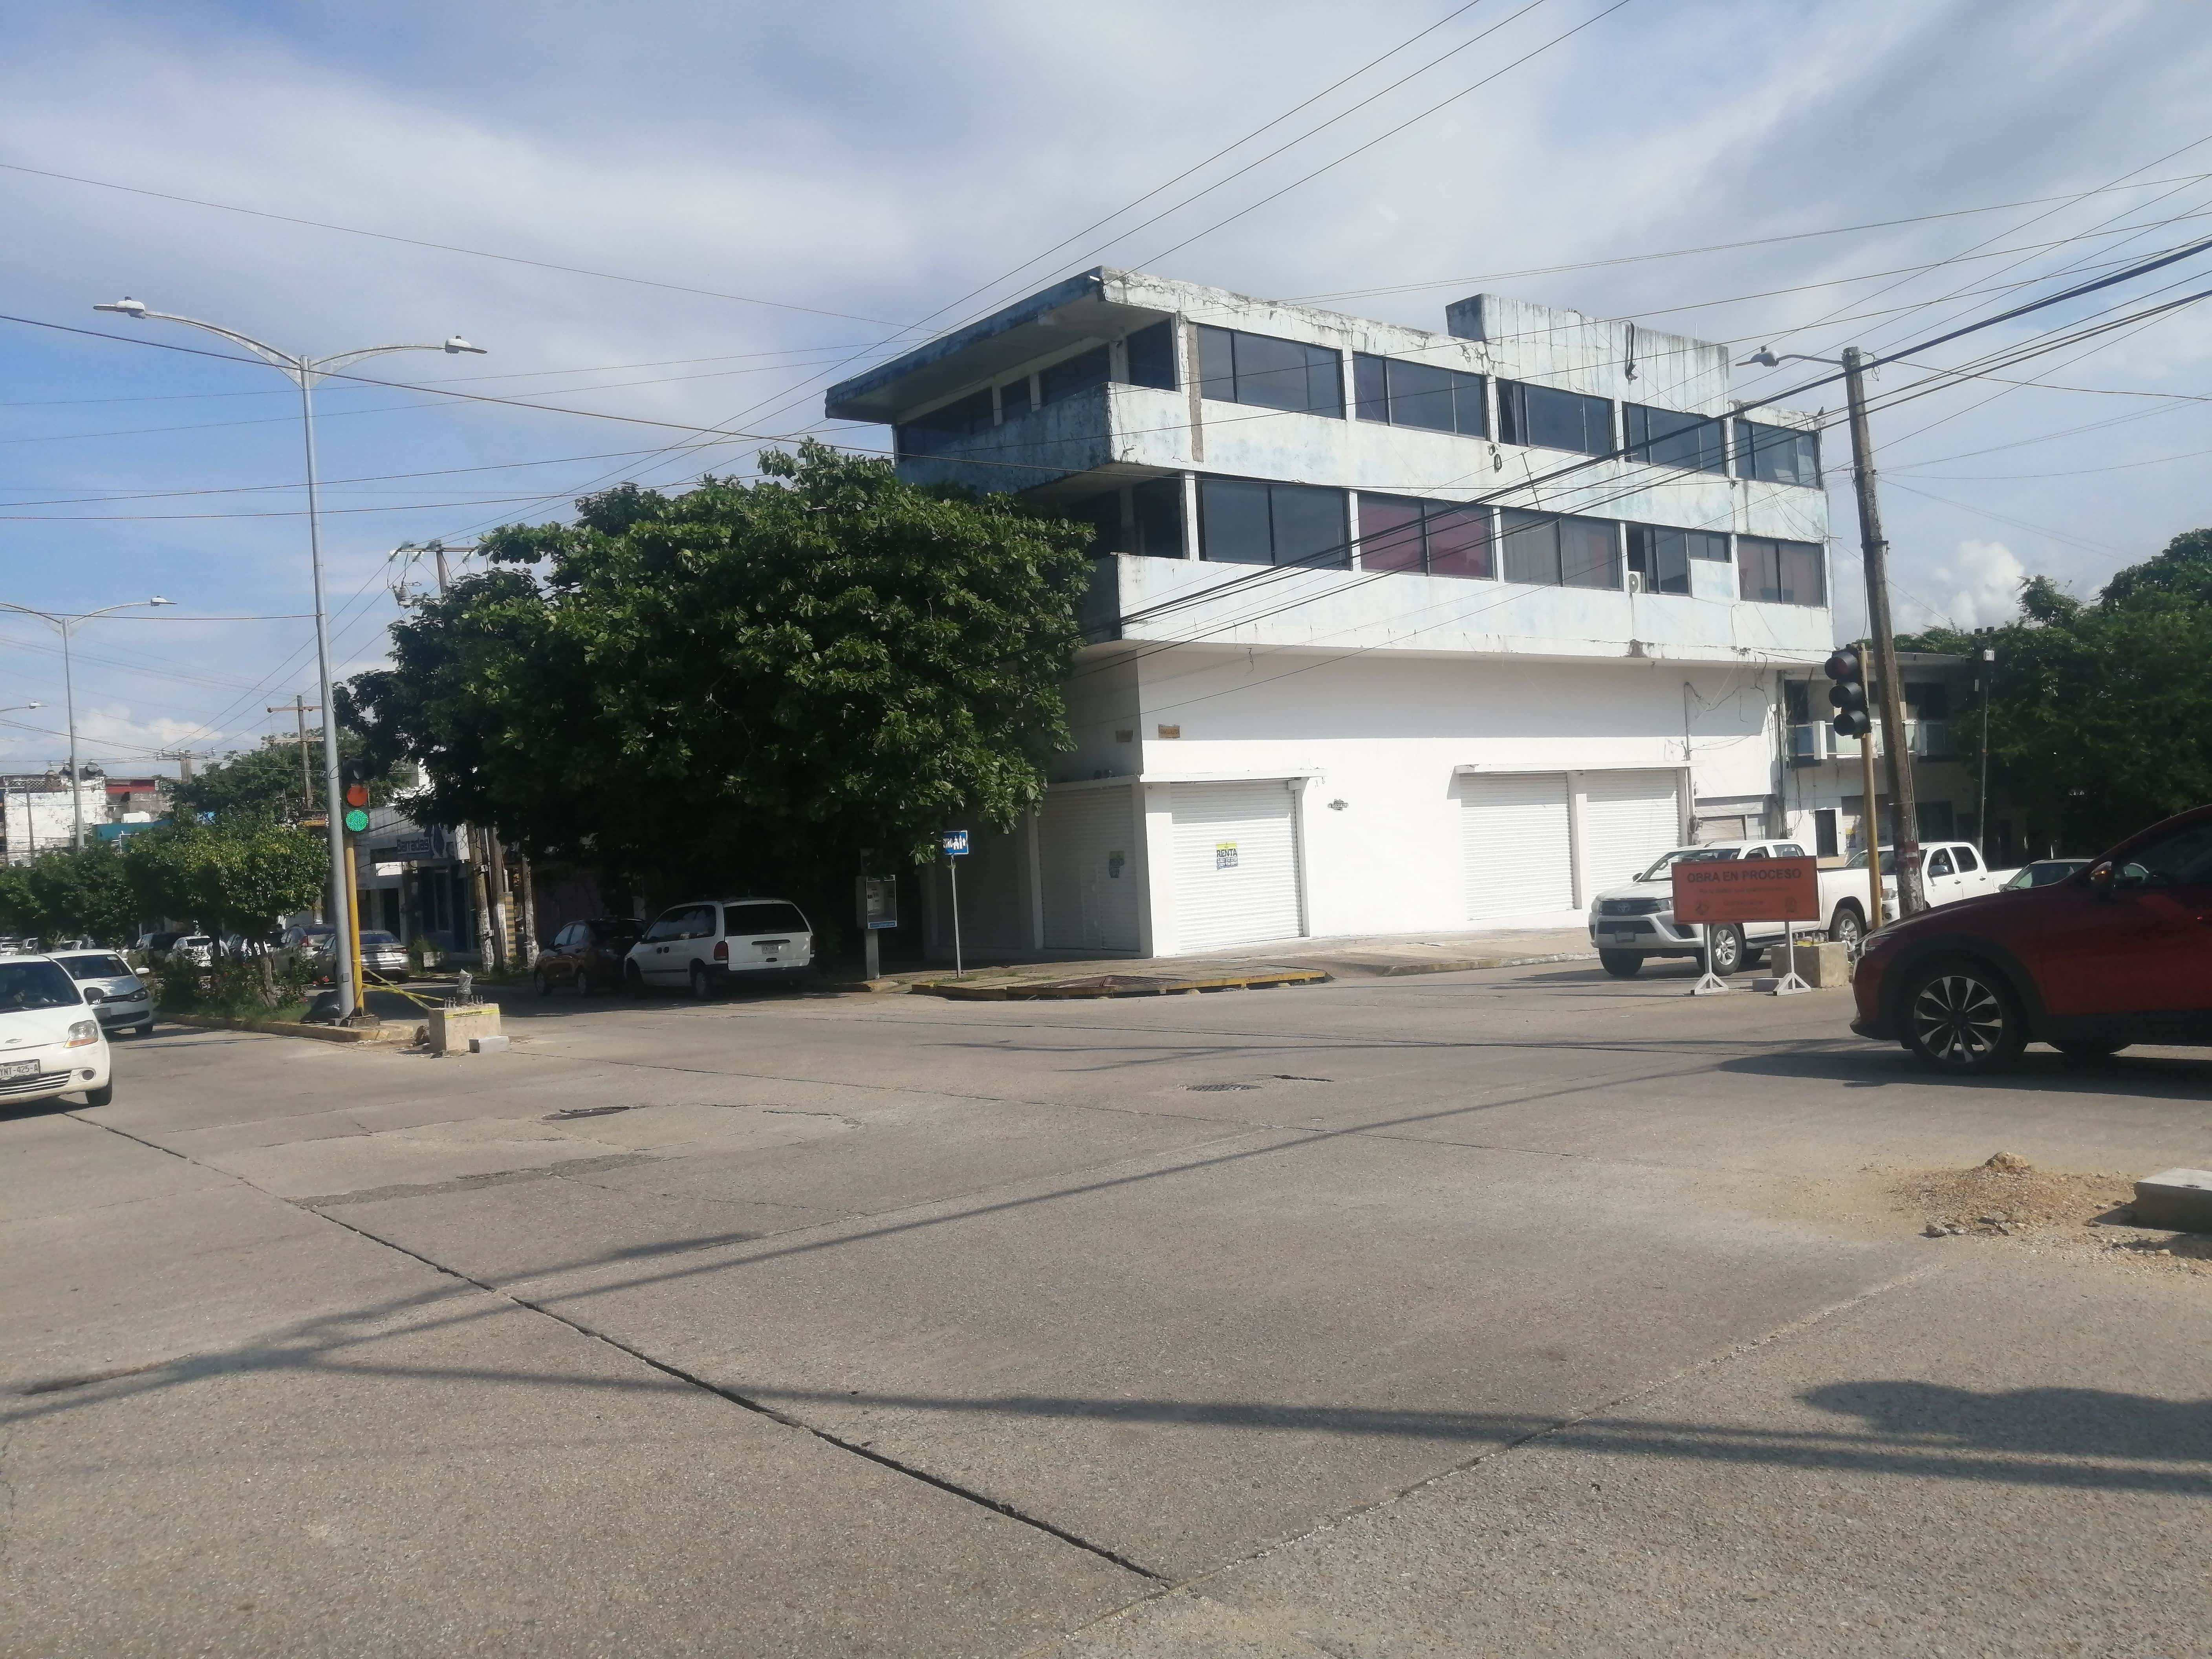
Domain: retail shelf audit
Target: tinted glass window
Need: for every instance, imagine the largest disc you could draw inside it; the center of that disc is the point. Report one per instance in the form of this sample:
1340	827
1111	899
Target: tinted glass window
1556	551
1158	504
671	924
96	967
611	931
1789	849
2181	858
1777	454
1662	557
940	428
1399	532
765	918
1152	356
1077	375
1548	418
1779	573
1939	863
1273	373
26	984
1014	399
1667	437
1422	395
1967	860
1245	521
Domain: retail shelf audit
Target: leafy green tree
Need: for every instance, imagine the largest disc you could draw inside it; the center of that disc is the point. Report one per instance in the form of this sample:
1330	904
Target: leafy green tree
2100	720
265	782
238	874
742	684
67	894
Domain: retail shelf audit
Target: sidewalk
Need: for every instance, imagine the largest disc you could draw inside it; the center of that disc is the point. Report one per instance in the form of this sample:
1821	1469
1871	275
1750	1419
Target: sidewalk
1363	955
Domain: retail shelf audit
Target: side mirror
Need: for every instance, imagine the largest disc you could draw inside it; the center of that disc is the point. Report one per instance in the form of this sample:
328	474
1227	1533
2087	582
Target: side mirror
2100	879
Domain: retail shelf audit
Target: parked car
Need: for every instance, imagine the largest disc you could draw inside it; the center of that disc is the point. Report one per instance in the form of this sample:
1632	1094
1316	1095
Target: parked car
308	944
114	992
383	953
1949	871
2117	953
157	946
709	944
2044	872
50	1044
197	949
585	956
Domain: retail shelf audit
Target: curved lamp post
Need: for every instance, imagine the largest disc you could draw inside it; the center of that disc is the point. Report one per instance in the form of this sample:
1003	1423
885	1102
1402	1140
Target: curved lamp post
65	624
304	372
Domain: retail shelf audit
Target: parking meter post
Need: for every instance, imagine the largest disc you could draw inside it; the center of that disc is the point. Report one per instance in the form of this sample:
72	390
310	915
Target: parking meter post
871	953
952	869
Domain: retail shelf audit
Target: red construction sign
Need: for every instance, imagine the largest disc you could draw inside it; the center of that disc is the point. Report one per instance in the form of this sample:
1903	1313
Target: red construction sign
1747	889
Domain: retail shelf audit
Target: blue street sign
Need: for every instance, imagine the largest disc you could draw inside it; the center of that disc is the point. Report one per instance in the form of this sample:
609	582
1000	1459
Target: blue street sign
955	843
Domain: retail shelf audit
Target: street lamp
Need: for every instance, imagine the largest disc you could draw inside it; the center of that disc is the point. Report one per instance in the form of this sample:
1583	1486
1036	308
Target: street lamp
304	372
66	624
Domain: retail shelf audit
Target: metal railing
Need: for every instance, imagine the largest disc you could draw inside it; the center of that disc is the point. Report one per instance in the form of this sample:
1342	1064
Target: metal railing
1813	742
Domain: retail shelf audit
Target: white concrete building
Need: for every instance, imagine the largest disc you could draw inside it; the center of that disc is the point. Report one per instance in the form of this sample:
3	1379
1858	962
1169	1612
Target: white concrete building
37	816
1394	631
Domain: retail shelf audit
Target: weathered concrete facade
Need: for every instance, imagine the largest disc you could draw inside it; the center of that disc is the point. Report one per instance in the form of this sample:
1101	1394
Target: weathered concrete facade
1325	731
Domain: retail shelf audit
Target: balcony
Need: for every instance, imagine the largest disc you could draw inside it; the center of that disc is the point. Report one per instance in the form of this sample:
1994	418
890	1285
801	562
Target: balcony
1812	743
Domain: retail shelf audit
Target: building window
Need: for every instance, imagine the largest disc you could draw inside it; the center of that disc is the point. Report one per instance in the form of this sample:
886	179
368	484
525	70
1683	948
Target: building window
941	429
1418	394
1548	418
1666	437
1777	454
1440	538
1152	356
1237	367
1084	371
1245	521
1662	555
1103	512
1779	573
1556	551
1158	504
1014	399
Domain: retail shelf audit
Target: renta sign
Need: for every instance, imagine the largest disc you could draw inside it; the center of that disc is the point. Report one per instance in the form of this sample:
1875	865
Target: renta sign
1747	889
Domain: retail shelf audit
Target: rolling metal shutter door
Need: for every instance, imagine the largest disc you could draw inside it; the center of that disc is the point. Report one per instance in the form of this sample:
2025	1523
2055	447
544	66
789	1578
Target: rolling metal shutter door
1517	853
1088	849
1629	818
1235	864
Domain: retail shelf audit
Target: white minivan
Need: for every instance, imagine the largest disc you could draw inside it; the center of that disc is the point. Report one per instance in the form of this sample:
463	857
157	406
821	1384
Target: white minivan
707	945
51	1042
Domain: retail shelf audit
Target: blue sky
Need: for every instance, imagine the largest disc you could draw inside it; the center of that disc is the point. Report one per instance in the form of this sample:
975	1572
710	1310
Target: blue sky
882	162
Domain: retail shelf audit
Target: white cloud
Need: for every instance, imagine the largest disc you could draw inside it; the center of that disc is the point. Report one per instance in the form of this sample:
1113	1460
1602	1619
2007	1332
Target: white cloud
1985	578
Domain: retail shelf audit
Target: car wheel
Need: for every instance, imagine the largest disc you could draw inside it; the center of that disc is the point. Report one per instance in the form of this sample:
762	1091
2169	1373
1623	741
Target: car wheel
100	1096
1726	946
1960	1017
702	985
1621	964
147	1029
1847	928
581	982
2083	1048
543	985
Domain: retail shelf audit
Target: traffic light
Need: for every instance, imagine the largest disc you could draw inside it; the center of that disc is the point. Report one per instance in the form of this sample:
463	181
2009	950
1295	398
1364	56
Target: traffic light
353	778
1846	672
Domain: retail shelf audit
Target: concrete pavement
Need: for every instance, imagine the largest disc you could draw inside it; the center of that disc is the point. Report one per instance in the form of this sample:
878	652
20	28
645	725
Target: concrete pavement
1526	1312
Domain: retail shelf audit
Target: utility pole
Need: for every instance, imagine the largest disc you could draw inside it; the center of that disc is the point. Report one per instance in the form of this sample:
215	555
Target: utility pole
1875	550
300	709
1871	822
1982	809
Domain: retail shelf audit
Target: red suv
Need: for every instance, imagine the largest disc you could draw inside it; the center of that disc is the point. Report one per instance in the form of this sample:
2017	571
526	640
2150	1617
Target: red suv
2119	952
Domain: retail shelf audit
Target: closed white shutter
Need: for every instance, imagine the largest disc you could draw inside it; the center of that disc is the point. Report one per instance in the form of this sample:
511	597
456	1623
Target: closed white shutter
1087	846
1235	864
1517	851
1629	818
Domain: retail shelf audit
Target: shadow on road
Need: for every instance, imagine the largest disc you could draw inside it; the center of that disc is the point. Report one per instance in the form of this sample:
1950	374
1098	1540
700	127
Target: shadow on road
2180	1075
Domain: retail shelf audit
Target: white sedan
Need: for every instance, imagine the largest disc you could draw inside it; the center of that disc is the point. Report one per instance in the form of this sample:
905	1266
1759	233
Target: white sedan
51	1042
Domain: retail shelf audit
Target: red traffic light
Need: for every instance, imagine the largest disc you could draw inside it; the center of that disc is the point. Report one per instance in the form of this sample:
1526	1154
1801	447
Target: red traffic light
356	794
1844	665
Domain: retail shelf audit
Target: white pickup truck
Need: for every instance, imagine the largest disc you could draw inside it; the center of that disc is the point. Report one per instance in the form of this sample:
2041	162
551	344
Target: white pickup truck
1632	923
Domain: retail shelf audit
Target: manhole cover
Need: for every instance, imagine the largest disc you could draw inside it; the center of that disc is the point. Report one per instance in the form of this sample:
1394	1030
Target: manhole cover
1216	1088
584	1111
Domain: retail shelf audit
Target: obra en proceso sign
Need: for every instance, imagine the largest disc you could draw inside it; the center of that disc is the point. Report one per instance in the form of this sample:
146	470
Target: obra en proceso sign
1747	889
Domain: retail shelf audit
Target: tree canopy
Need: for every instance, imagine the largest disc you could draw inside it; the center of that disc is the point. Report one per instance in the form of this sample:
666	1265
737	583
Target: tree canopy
742	683
2100	717
265	782
238	874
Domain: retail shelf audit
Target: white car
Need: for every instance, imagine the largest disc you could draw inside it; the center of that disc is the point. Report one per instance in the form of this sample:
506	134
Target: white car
51	1042
116	994
708	944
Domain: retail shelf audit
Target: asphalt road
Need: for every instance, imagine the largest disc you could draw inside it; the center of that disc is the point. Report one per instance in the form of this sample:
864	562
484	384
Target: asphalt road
1521	1311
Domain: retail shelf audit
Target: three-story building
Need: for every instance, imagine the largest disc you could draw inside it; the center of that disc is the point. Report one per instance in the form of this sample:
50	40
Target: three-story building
1393	631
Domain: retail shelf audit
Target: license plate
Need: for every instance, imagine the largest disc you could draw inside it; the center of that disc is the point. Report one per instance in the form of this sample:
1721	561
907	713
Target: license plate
19	1068
1623	938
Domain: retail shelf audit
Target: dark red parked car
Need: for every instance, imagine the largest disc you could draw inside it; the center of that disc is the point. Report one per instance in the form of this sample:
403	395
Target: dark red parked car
2119	952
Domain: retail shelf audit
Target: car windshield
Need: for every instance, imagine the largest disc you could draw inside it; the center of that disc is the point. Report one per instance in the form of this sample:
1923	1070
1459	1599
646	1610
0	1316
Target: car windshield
27	985
373	937
1888	860
2044	872
96	967
1688	855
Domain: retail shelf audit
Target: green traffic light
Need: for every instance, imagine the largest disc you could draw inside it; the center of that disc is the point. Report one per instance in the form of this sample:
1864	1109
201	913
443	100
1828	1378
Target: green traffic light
356	820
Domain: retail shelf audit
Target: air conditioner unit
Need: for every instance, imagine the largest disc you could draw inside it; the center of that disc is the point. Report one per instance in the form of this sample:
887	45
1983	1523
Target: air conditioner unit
1636	581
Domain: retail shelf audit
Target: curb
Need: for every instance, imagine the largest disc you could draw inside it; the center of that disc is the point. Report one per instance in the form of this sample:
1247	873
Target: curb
1115	985
1399	970
400	1033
